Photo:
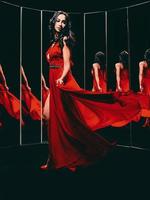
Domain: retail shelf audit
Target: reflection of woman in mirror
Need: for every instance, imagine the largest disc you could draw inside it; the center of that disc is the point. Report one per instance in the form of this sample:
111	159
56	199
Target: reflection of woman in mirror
76	113
122	73
99	73
7	99
144	84
45	99
32	104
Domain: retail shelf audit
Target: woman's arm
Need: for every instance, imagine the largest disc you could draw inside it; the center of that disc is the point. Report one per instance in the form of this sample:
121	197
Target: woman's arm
25	80
2	77
141	66
67	66
118	67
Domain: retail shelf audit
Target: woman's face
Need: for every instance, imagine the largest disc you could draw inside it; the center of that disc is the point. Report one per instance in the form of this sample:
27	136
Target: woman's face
60	23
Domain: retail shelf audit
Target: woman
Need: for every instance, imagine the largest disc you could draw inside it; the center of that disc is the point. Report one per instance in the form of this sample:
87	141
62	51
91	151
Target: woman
122	73
75	114
123	81
144	86
99	73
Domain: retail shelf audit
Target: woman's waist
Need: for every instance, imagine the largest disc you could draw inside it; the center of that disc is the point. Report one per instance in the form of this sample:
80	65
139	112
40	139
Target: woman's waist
57	63
55	66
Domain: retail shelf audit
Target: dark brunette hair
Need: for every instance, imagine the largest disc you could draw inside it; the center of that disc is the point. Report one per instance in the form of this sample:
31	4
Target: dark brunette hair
147	55
100	59
123	58
66	31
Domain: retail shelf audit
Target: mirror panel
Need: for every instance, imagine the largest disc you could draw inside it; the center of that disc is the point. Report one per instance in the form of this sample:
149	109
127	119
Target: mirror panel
9	75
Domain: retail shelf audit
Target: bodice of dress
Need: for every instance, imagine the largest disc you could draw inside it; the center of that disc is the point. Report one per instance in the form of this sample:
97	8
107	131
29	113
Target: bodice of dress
54	55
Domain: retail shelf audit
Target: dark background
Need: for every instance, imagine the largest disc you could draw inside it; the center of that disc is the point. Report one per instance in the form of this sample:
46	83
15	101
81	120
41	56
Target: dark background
76	6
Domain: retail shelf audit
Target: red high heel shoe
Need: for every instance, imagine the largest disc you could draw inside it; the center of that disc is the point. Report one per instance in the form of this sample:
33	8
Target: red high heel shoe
45	166
72	169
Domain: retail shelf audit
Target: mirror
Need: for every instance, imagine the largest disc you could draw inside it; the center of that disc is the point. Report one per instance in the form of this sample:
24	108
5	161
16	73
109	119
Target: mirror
117	42
139	42
9	75
110	33
31	76
95	41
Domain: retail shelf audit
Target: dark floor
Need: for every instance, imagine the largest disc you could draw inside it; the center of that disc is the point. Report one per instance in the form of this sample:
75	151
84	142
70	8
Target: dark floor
123	174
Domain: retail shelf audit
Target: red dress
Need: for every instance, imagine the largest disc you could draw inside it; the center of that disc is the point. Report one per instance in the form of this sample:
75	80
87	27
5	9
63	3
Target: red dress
102	81
32	103
10	102
124	80
146	81
144	97
76	114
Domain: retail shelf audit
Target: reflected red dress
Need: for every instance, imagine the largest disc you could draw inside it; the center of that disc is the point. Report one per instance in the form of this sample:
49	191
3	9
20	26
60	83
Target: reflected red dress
102	81
32	103
124	80
10	102
74	116
146	81
144	97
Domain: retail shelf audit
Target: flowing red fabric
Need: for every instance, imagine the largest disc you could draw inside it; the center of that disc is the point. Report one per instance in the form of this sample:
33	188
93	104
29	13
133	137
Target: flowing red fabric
102	81
32	103
10	102
75	115
126	95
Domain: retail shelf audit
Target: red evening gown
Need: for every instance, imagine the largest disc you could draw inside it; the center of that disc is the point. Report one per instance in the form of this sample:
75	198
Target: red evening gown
146	81
32	103
102	81
10	102
144	97
125	94
75	115
124	80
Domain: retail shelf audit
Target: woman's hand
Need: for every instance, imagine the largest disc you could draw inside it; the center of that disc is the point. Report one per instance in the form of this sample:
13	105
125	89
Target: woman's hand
119	89
99	88
46	88
141	88
6	87
28	88
59	82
